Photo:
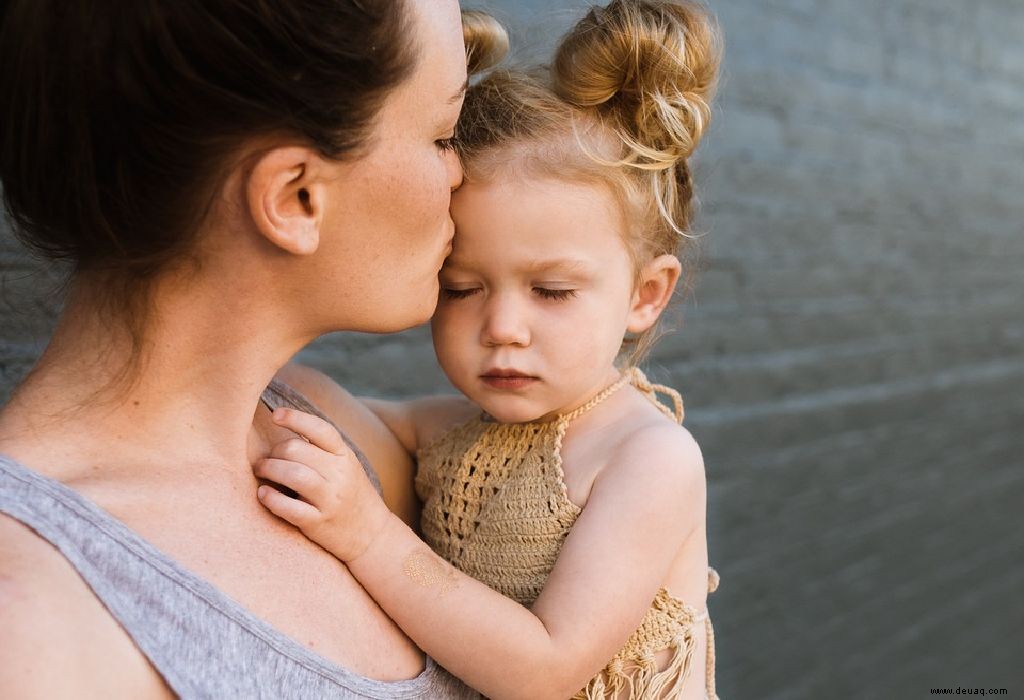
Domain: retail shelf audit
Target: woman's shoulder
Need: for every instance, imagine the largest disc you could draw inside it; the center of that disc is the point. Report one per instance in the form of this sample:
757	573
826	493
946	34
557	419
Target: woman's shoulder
49	615
27	565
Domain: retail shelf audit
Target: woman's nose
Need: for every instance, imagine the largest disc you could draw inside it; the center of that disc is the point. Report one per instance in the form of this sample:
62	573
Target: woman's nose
505	323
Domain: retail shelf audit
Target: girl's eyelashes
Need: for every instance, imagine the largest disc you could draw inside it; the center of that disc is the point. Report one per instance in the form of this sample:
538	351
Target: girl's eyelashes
555	294
542	292
458	293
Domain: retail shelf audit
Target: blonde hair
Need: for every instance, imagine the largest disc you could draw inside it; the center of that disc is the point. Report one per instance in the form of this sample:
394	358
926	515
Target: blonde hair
486	40
624	104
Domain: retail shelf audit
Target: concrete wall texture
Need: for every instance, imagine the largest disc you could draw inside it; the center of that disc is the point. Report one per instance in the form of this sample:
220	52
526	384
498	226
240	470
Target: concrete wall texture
853	358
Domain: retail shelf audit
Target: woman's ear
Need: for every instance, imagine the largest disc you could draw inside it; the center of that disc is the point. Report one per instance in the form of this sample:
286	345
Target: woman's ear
285	195
657	281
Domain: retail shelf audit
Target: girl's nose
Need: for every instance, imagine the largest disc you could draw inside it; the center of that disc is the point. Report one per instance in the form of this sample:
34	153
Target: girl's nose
505	323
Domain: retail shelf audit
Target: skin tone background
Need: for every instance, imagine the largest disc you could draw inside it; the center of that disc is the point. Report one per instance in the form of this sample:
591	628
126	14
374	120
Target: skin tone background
851	360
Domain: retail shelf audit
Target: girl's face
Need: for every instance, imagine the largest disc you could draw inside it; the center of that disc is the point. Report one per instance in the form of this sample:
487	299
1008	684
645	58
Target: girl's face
535	297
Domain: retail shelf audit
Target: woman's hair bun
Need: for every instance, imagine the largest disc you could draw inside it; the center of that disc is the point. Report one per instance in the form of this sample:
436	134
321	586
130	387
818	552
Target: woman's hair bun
649	68
486	40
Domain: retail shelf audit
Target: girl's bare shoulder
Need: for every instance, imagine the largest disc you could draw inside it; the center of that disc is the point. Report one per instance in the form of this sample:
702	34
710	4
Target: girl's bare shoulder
656	457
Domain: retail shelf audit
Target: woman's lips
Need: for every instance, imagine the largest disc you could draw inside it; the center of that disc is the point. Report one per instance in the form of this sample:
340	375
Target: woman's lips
507	379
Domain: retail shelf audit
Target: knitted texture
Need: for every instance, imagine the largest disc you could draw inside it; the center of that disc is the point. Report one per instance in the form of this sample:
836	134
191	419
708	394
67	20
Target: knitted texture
495	506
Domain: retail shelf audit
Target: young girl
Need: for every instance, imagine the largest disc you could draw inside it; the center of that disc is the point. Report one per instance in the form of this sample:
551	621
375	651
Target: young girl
564	504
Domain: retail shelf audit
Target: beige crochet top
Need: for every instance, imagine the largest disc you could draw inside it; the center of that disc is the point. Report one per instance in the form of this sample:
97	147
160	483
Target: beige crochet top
495	506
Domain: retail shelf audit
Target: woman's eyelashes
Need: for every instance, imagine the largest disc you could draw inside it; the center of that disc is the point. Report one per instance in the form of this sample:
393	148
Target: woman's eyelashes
447	144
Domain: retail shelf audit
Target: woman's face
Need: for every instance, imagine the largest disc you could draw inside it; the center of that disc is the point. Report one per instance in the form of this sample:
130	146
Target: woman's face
387	230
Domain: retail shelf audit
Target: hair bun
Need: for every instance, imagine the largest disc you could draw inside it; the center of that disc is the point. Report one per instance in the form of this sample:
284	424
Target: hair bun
486	40
649	68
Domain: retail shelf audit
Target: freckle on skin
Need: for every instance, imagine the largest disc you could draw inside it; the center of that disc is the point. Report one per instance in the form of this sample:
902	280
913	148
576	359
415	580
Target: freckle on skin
429	571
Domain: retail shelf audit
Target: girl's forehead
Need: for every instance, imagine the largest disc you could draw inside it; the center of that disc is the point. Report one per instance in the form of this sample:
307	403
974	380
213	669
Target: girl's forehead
527	181
533	223
545	202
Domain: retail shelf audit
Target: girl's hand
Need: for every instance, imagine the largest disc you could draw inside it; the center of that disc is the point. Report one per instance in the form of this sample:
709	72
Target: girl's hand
337	506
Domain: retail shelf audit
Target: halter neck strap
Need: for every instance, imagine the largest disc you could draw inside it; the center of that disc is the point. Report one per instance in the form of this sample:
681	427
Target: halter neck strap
634	376
601	396
651	391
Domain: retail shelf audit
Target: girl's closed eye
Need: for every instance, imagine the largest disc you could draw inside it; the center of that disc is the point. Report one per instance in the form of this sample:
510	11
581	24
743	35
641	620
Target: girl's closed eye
454	293
554	294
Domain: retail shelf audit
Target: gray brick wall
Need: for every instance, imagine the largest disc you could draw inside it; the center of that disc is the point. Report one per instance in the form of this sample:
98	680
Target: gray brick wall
853	358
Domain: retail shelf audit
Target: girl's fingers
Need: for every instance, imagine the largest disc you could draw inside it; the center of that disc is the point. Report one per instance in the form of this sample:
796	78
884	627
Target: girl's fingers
315	429
300	478
298	450
298	513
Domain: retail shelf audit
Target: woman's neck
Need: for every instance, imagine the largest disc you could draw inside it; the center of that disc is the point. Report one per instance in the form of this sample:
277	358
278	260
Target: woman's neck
203	362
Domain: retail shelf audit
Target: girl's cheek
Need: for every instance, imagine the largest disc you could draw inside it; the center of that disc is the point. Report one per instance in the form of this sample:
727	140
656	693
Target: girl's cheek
446	327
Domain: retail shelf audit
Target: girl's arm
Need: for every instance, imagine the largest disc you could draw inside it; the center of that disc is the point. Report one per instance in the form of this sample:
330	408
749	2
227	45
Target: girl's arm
640	513
416	422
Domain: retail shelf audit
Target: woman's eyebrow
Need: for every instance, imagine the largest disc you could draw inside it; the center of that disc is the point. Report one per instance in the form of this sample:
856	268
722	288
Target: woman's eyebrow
458	95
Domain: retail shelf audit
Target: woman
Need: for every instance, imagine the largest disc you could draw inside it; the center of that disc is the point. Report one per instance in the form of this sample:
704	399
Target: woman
229	180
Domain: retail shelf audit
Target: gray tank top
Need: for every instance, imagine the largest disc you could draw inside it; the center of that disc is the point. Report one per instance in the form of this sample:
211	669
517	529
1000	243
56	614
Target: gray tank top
204	644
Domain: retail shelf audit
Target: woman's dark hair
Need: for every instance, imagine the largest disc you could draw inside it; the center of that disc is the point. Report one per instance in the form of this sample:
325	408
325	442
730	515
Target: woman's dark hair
118	120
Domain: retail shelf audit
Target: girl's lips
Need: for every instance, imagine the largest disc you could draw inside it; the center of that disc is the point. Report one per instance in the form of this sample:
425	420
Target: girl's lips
503	379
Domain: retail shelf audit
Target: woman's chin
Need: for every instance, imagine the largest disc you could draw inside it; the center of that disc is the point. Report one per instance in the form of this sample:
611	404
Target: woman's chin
396	325
392	320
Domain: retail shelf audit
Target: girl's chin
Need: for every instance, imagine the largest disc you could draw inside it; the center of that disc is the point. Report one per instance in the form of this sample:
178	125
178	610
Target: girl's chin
518	416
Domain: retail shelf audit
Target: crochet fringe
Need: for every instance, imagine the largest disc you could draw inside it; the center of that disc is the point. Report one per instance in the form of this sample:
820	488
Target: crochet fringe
641	678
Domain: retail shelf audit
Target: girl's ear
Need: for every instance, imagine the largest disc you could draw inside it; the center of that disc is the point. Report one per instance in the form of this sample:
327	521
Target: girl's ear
286	197
658	280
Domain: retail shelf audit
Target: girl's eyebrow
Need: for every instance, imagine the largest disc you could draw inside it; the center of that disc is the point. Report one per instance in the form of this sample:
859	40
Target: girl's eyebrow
562	265
557	265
